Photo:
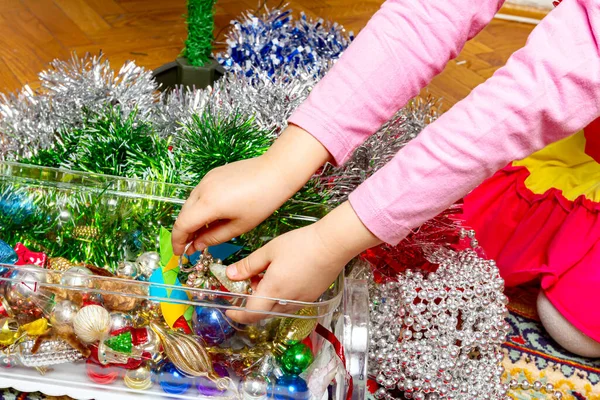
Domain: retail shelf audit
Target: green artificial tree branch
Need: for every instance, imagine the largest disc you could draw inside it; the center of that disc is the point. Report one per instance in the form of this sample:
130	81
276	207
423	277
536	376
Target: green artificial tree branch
201	25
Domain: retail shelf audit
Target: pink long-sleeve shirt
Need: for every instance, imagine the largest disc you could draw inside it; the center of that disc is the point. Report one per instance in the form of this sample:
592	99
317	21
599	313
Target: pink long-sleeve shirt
547	90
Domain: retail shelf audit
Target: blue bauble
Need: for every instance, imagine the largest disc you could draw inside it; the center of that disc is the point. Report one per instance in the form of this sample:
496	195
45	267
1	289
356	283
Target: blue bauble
7	256
172	381
211	323
16	206
289	387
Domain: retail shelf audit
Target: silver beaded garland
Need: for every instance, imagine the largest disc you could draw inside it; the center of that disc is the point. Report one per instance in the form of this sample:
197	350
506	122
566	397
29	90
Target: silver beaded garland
437	335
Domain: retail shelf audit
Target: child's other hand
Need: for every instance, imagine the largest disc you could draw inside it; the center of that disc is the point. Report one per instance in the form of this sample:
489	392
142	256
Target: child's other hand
235	198
302	264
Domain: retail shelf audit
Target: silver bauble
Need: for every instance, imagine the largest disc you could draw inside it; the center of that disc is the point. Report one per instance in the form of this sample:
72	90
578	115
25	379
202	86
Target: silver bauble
63	313
119	321
25	290
254	387
147	263
127	270
76	277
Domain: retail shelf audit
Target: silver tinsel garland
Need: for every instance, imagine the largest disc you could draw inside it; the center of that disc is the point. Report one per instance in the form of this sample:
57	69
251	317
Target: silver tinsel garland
29	120
437	335
270	100
379	149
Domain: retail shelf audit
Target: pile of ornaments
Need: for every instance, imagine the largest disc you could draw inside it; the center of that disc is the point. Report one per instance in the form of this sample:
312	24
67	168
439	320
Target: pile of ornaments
54	312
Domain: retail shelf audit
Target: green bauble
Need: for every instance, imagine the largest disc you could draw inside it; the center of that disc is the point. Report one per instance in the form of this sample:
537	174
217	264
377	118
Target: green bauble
296	359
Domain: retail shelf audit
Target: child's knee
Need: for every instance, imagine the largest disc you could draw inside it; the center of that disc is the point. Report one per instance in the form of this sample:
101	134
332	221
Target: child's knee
563	332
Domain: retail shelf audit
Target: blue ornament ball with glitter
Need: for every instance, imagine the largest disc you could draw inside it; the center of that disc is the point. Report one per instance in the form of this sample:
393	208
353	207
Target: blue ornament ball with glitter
211	323
289	387
172	381
17	207
7	256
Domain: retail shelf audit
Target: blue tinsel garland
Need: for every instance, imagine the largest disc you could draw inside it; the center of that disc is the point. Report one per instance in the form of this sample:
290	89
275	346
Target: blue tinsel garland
276	41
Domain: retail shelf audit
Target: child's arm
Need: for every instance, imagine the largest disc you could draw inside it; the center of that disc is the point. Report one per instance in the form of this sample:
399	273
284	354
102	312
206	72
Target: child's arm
403	47
547	90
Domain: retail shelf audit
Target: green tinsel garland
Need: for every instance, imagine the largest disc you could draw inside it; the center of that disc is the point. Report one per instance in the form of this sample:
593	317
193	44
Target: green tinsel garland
99	228
95	227
111	144
210	141
201	24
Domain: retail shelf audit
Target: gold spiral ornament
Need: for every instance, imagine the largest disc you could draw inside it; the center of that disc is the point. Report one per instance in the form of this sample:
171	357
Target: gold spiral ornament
189	356
293	330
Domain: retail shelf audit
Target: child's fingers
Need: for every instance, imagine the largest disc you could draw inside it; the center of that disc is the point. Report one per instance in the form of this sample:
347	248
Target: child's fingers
216	233
188	222
256	310
250	266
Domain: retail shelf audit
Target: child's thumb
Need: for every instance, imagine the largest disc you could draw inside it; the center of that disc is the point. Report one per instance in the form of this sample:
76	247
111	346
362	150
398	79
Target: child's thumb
249	267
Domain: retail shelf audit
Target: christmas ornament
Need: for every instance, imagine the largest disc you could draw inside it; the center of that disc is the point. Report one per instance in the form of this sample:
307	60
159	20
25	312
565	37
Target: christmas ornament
28	257
139	379
101	374
7	256
211	324
63	313
172	381
5	310
38	327
290	388
130	296
47	354
241	287
208	388
147	263
120	321
76	277
127	270
254	387
24	293
188	355
92	324
86	233
120	343
438	334
198	272
60	264
296	359
296	329
9	331
129	348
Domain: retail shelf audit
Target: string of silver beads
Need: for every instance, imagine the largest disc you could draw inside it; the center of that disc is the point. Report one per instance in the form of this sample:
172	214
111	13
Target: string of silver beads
438	335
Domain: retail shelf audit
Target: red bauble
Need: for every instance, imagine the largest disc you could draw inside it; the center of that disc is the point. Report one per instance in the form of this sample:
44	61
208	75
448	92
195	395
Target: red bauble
101	374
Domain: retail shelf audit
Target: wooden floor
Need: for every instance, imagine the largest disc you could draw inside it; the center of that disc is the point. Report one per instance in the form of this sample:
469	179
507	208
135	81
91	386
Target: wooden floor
33	32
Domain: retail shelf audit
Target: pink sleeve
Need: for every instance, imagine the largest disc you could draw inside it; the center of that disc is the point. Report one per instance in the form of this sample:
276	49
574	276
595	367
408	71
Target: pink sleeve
403	47
548	90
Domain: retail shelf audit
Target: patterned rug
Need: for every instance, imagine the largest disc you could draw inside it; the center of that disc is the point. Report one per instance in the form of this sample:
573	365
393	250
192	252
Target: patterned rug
531	354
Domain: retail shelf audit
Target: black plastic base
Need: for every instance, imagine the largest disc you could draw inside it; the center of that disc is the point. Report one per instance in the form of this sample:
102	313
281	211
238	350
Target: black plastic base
180	72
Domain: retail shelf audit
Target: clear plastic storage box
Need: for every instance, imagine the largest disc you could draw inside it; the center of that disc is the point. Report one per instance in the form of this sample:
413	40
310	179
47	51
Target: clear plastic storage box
94	305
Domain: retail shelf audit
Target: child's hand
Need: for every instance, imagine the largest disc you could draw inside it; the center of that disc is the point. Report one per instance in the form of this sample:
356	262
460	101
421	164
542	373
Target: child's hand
235	198
301	264
229	201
